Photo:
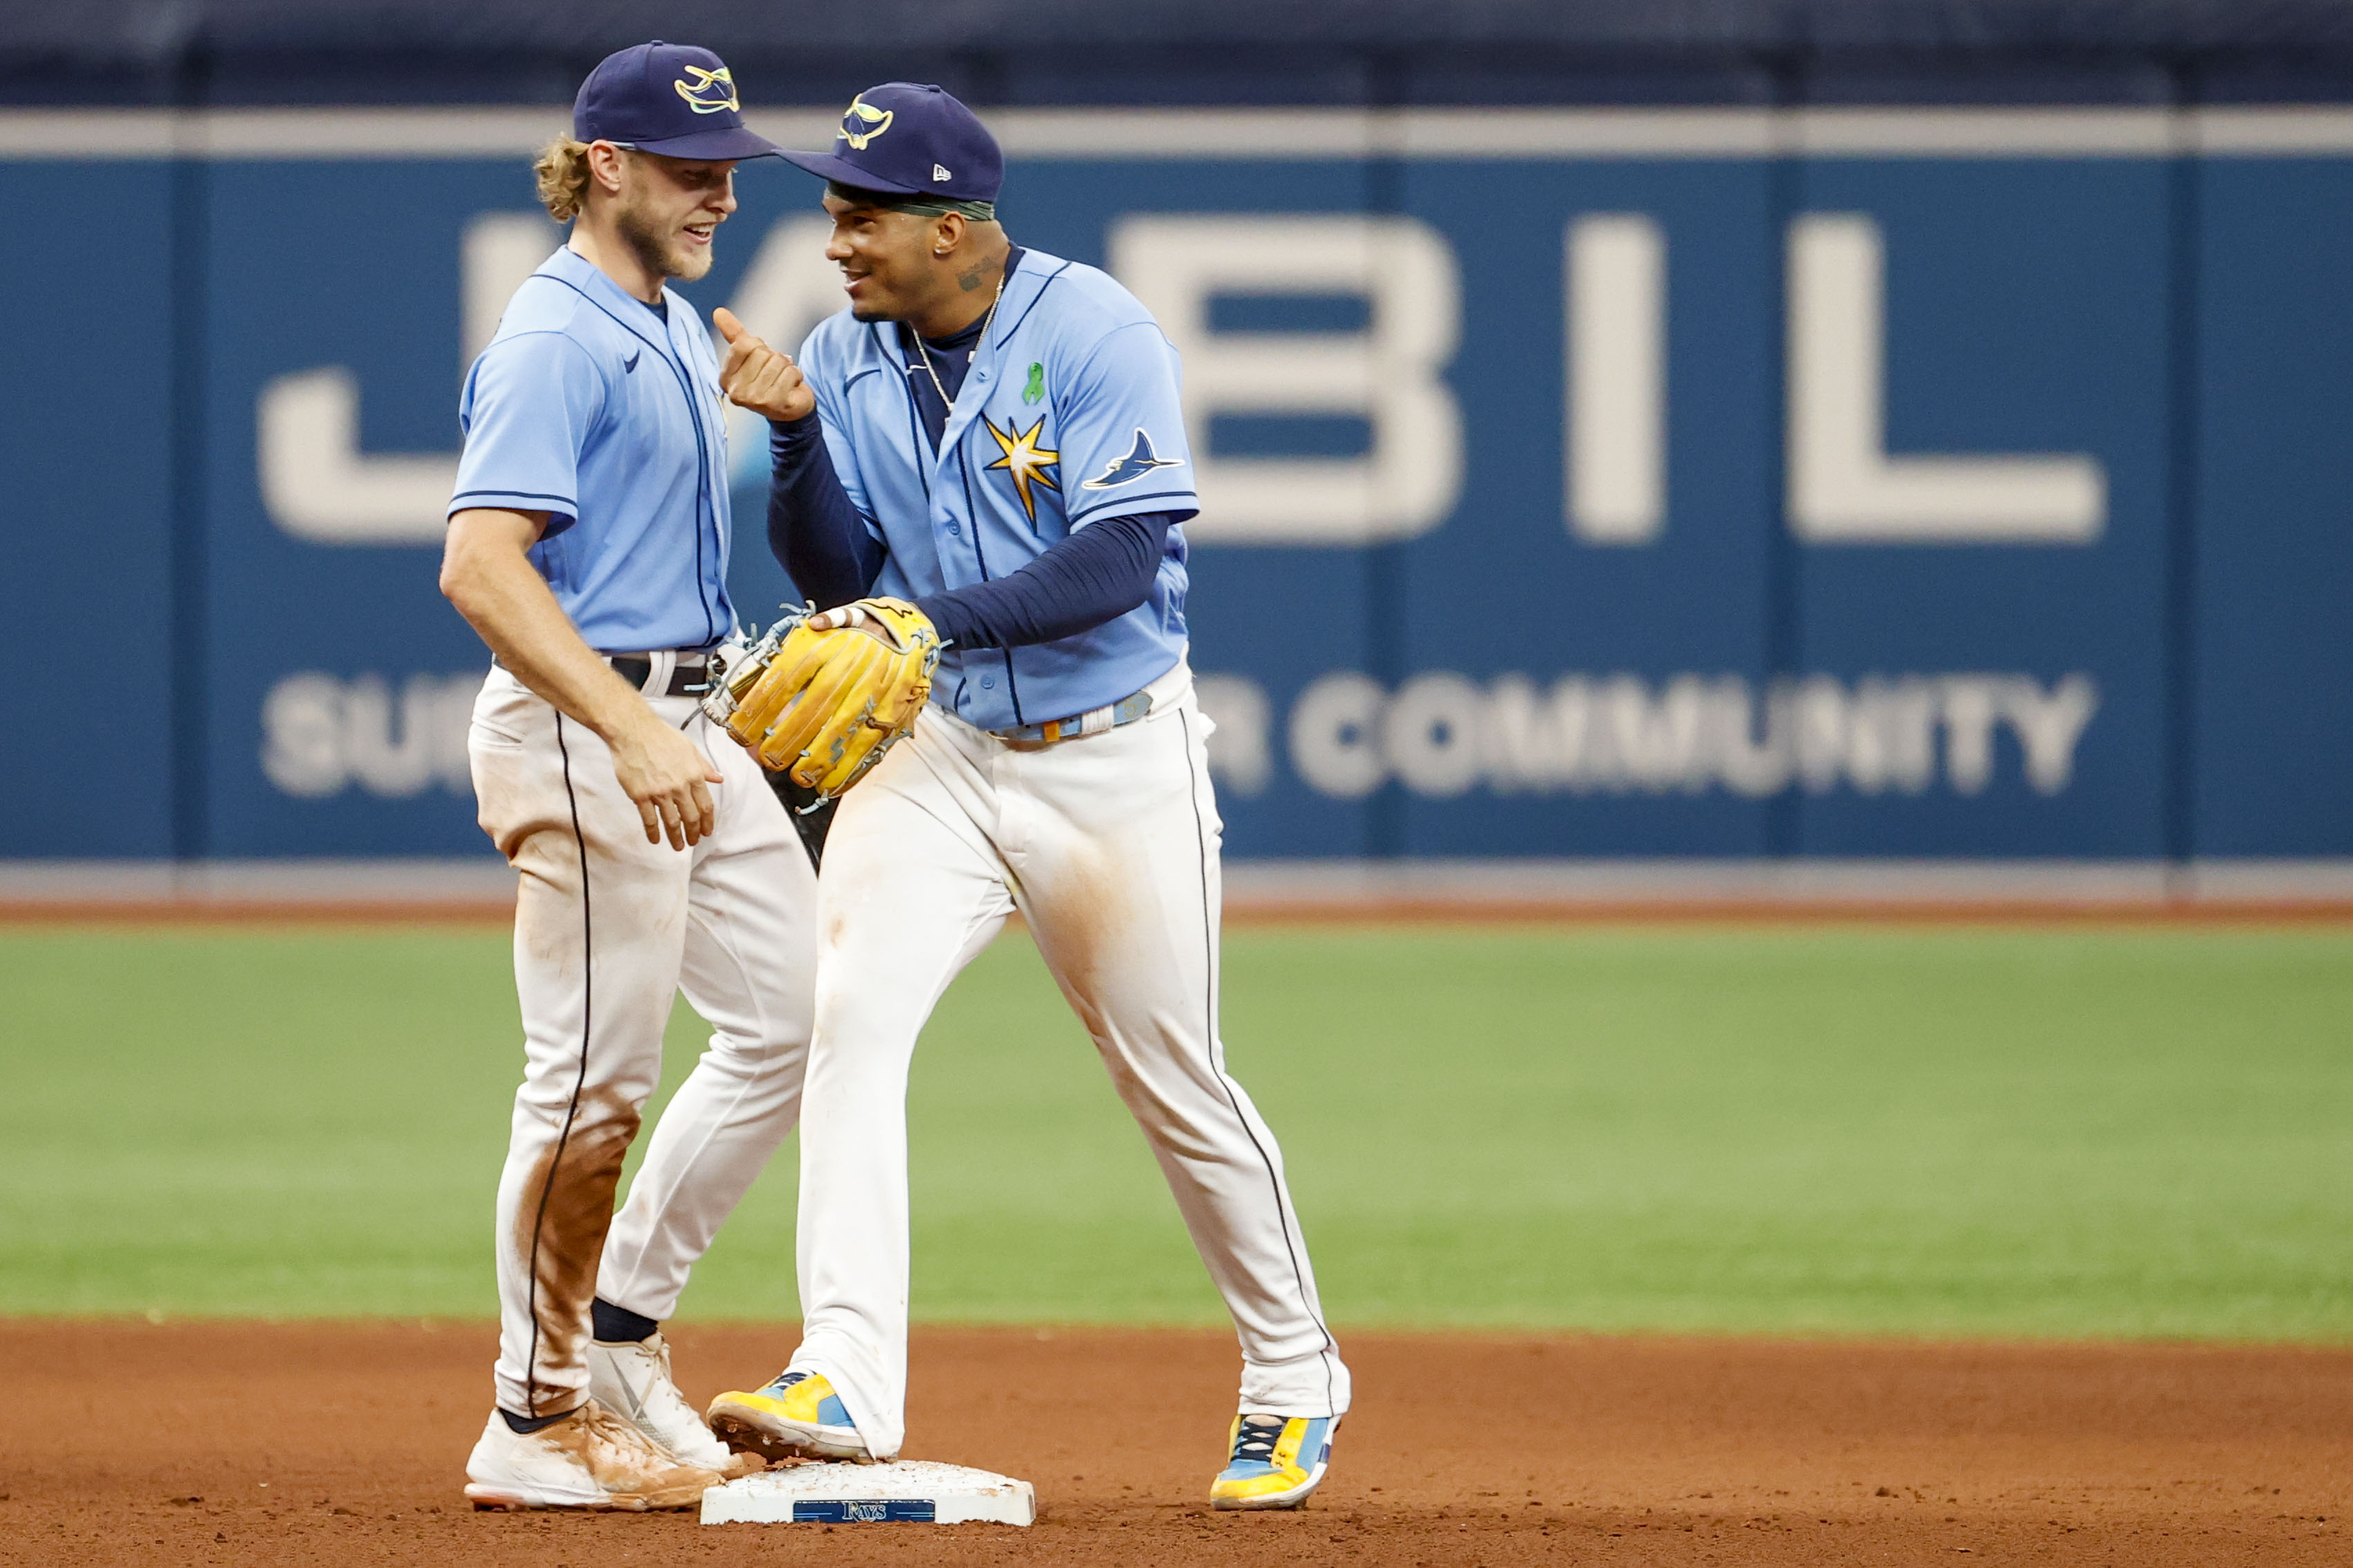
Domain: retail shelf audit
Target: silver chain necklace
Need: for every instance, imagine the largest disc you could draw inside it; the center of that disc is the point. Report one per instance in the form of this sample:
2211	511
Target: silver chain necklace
925	355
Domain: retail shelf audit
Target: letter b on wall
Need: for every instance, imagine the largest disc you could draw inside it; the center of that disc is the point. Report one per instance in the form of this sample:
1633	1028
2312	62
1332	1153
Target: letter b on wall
1390	373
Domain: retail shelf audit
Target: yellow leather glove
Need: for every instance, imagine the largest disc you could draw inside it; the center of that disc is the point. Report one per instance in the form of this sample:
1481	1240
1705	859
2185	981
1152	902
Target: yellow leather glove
824	706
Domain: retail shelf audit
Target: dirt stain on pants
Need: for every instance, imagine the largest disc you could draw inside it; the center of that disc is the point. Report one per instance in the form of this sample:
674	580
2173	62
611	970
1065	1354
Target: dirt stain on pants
567	1207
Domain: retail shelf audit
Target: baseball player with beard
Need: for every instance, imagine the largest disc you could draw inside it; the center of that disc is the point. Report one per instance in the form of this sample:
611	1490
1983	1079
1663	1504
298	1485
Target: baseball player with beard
589	545
993	434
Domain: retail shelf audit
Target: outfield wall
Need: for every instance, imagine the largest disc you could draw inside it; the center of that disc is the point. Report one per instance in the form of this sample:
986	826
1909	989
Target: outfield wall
1600	483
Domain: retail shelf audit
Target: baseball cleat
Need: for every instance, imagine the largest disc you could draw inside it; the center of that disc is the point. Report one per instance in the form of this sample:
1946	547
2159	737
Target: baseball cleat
589	1459
1277	1461
631	1378
797	1417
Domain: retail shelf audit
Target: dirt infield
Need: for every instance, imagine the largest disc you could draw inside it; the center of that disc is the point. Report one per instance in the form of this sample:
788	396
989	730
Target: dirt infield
341	1444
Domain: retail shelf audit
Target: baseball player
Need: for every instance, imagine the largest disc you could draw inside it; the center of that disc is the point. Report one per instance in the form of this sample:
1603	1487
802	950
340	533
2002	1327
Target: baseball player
994	434
589	545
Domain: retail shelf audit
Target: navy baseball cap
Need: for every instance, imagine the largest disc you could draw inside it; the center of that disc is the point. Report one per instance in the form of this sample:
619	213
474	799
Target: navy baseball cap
910	139
670	99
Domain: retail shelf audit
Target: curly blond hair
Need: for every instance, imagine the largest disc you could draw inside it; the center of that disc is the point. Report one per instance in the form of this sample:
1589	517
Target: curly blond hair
561	170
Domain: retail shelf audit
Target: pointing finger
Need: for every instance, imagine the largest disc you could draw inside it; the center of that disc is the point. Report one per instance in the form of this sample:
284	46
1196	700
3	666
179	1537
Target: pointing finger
729	327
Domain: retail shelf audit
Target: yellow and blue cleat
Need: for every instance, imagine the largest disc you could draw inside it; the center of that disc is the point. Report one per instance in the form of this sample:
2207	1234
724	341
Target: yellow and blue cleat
1277	1461
797	1417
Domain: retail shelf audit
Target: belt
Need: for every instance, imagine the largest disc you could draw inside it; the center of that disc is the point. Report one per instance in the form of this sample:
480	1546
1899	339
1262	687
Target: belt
1094	721
688	677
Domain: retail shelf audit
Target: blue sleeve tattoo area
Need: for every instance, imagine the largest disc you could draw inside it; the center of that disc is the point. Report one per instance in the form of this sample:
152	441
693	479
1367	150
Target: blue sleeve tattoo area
814	531
1095	575
1084	580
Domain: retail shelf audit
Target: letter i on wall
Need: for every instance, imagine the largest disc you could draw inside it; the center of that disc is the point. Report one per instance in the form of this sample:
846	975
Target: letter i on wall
1614	315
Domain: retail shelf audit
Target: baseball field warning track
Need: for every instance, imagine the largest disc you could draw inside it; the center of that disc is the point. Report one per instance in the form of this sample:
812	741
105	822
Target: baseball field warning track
330	1443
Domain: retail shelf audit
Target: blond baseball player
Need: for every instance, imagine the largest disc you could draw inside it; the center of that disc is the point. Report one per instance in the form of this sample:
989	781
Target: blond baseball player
588	544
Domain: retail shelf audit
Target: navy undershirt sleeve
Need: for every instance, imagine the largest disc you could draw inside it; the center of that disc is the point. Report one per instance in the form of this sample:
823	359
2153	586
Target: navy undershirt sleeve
1090	576
814	531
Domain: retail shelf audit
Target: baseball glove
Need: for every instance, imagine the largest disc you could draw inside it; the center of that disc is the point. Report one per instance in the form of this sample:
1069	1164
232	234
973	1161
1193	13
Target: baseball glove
823	706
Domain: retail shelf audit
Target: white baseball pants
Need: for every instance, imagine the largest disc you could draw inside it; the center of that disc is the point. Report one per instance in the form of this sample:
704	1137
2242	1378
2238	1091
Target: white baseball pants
1109	847
608	930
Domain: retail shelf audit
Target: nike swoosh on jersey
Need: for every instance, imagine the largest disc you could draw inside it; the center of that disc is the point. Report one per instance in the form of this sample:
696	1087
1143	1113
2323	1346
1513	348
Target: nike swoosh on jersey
630	363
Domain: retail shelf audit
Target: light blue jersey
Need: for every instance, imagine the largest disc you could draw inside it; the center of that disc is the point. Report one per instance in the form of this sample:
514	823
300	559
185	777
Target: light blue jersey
1068	413
589	407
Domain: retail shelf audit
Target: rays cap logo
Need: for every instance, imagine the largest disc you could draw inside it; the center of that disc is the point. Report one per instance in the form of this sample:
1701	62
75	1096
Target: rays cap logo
861	123
910	137
706	91
670	99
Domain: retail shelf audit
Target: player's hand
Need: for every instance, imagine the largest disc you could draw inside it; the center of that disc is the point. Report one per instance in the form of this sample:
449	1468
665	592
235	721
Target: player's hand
757	378
666	774
835	619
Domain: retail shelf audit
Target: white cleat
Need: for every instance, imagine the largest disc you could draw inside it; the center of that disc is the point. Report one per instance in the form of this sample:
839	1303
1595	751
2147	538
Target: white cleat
632	1379
589	1459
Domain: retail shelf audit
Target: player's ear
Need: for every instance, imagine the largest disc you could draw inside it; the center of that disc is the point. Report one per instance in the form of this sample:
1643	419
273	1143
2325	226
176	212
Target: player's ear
605	166
947	233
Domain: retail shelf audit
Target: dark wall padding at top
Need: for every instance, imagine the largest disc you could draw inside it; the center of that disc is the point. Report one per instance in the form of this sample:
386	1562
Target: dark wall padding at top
1271	51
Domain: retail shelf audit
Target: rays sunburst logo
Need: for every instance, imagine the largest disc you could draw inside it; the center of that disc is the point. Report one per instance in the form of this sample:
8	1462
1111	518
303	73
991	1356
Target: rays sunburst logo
1024	460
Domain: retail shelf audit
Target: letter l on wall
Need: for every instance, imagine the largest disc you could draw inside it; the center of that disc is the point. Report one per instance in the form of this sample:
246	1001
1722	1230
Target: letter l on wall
1843	487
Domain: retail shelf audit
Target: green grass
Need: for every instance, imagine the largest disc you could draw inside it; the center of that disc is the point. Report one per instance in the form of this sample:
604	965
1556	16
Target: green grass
1809	1131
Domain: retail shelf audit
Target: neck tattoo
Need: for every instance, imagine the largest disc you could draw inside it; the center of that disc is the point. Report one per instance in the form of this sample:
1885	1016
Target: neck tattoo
925	355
